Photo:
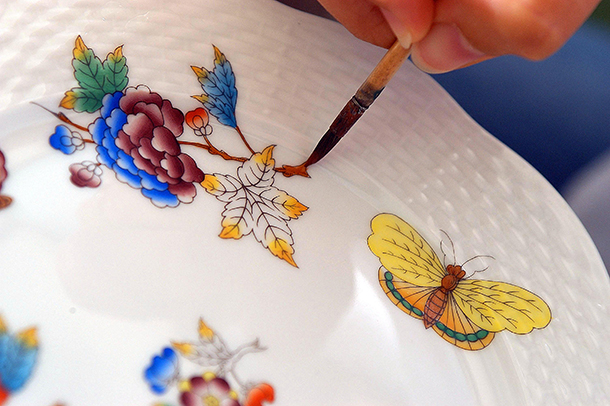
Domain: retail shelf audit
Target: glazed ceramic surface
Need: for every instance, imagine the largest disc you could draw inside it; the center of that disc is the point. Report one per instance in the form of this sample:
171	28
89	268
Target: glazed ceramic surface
111	294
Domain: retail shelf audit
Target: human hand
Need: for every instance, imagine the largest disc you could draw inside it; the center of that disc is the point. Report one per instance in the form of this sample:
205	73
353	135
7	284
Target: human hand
451	34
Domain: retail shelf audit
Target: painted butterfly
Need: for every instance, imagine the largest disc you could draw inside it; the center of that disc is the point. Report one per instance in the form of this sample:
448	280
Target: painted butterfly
465	312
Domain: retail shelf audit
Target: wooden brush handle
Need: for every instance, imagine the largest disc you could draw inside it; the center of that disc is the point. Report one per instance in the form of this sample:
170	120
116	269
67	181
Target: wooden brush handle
381	75
364	97
358	104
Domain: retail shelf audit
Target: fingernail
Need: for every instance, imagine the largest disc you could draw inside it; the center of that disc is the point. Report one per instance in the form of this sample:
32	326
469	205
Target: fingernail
444	49
403	35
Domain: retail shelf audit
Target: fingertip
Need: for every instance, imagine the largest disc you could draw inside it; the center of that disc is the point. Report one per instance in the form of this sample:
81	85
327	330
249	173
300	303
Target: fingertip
402	32
444	49
409	20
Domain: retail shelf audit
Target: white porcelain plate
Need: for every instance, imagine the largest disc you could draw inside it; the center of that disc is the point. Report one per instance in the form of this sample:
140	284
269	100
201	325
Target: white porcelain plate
185	270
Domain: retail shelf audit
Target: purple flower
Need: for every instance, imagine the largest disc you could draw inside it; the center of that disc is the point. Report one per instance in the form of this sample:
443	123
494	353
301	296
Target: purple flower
208	390
163	371
65	140
137	138
86	174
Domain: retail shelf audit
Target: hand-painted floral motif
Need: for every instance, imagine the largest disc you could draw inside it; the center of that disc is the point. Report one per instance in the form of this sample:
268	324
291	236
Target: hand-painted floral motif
163	371
199	121
18	354
136	136
138	133
207	390
255	206
4	200
218	383
86	174
66	141
463	311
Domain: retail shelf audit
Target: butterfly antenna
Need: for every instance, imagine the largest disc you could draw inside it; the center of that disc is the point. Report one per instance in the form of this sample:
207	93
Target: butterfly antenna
452	245
480	270
444	255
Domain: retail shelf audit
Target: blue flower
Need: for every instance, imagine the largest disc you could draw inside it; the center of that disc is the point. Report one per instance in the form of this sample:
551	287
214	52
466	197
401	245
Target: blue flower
163	371
65	140
136	137
18	355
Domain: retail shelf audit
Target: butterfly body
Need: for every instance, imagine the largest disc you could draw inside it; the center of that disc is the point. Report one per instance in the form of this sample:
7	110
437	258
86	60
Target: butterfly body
465	312
437	301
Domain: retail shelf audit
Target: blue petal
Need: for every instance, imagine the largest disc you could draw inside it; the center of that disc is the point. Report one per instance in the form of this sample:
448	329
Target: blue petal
110	145
151	182
61	140
162	370
103	157
161	198
98	129
109	103
116	121
126	177
125	161
170	354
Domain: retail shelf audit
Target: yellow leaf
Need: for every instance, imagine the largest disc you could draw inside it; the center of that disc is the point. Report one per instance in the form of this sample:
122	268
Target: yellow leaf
79	48
69	100
118	53
28	337
219	57
265	157
231	230
2	326
202	98
201	73
293	207
211	184
185	349
204	331
283	250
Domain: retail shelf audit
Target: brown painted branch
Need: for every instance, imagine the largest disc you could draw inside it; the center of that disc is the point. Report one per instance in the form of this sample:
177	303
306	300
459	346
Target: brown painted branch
213	150
63	118
243	138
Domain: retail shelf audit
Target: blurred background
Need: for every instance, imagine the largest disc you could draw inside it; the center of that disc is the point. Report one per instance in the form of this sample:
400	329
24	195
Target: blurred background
554	113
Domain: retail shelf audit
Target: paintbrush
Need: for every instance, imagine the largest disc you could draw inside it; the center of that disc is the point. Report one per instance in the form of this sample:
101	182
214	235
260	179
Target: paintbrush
358	104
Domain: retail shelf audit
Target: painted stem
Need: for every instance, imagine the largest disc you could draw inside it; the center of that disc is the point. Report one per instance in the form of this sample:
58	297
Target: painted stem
243	138
63	118
213	150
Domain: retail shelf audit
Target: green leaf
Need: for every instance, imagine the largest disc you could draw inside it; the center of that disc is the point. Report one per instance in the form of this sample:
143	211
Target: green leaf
95	78
88	69
79	100
115	71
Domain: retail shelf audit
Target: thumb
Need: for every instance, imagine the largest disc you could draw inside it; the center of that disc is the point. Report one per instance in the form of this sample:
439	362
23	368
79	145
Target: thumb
465	32
381	22
409	20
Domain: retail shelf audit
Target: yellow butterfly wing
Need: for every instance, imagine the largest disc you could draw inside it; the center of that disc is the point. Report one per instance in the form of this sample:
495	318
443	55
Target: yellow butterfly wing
497	306
404	252
453	326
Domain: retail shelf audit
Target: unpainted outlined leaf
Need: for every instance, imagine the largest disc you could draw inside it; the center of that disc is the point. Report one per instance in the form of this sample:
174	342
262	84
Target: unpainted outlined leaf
254	205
